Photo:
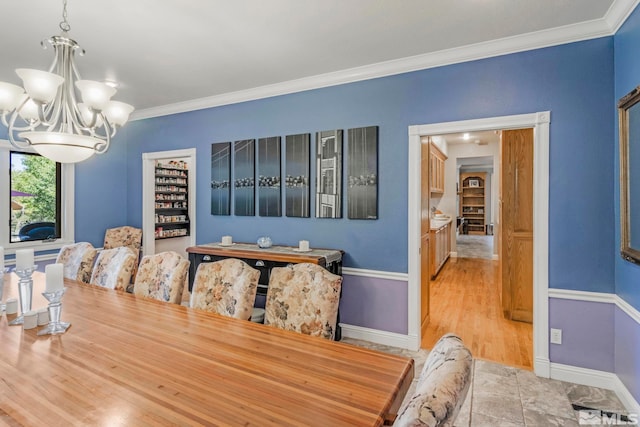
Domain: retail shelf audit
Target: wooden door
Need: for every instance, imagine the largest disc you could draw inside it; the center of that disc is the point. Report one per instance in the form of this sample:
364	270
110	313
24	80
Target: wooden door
516	219
425	191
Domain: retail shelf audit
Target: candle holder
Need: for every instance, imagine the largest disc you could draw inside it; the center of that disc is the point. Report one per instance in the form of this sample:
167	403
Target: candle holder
3	271
25	291
55	326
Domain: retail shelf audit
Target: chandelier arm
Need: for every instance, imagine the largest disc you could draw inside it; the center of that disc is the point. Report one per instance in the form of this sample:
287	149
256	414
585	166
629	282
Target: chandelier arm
20	145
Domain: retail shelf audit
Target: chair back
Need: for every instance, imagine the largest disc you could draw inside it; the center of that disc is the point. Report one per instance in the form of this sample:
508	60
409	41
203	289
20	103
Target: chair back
226	287
78	259
442	386
162	277
303	298
127	236
113	268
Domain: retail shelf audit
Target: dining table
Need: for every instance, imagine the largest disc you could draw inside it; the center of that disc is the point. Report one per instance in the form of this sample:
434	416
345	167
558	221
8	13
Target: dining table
133	361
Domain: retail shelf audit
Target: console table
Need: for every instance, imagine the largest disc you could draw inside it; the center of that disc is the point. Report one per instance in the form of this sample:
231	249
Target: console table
264	260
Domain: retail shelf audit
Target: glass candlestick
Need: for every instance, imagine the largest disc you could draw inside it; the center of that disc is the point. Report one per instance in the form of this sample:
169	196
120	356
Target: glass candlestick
3	306
55	326
25	291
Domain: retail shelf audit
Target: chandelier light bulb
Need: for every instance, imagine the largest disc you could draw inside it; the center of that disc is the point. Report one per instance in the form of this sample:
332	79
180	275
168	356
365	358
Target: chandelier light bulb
29	109
41	86
9	96
117	113
95	94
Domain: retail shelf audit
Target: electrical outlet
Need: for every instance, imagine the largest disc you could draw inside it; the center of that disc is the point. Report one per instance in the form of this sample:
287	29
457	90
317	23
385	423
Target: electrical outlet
556	336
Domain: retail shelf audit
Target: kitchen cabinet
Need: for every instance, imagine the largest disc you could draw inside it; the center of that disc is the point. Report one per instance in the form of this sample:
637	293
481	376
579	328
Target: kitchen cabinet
437	169
439	245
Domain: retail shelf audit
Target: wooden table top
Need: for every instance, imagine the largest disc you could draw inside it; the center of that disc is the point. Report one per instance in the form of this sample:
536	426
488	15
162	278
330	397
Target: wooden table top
127	360
274	253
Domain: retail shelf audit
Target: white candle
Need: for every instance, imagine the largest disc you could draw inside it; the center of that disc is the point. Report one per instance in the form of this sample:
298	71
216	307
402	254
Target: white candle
227	240
303	245
24	259
1	260
54	274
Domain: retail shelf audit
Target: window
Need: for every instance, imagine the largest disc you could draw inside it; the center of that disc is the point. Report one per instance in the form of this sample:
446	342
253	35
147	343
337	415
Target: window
36	201
34	182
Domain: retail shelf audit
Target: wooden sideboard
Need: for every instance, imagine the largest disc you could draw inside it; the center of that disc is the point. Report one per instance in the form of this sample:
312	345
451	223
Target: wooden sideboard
264	259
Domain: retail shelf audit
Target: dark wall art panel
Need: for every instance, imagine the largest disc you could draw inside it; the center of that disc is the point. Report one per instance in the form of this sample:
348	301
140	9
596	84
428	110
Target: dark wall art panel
362	173
297	161
329	174
269	172
244	177
220	178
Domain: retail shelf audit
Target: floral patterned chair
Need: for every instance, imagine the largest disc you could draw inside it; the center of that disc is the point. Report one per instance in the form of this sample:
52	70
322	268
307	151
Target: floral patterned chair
130	237
113	268
442	386
226	287
78	260
303	298
162	277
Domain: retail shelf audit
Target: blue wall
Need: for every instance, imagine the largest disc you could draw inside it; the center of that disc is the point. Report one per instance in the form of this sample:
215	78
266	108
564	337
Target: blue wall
573	81
627	77
627	275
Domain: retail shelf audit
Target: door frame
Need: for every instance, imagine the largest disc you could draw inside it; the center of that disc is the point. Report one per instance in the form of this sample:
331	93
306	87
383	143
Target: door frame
539	121
148	195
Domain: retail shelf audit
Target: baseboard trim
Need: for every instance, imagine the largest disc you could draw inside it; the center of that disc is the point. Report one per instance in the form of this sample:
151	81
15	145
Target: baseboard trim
594	378
379	337
377	274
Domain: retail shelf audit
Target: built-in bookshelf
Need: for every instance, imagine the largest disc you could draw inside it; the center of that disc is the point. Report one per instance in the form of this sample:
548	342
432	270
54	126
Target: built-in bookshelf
472	201
172	199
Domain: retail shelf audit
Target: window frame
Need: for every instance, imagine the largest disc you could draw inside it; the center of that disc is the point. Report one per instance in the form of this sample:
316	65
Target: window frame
67	206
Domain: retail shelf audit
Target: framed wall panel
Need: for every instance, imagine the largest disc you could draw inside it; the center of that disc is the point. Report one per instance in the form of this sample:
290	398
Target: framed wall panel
220	178
329	174
362	173
297	161
269	173
244	177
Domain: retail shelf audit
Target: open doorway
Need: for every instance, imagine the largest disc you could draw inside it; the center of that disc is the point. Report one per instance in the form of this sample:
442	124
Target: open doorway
540	123
466	293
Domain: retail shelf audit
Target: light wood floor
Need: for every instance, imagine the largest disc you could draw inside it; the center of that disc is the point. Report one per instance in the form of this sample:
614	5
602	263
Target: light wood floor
465	300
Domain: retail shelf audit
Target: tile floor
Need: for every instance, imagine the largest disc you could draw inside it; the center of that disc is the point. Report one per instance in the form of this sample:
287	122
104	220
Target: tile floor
474	246
504	396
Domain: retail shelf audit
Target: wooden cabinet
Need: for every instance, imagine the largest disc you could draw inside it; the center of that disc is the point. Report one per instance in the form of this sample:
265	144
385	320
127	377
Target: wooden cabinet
172	200
440	247
437	169
472	201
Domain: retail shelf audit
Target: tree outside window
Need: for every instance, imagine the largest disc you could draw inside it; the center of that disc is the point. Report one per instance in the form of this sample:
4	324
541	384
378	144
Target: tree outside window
35	197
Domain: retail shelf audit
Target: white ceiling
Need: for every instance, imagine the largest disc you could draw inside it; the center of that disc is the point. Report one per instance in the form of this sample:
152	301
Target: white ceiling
165	54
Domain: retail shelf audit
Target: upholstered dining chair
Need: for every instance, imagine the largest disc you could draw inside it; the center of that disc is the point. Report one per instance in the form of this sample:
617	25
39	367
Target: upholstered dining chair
78	259
113	268
442	386
127	236
162	277
226	287
303	298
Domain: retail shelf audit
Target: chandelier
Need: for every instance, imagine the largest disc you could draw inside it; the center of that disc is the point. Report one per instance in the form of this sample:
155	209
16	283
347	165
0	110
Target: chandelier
49	118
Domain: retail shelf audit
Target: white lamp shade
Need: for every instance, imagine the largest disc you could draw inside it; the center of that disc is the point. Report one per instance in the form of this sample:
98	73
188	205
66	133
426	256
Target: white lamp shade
117	113
87	115
9	96
41	86
95	94
62	147
29	110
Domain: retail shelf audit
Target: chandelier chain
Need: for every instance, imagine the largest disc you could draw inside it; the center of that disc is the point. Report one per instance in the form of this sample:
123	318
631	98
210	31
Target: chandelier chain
64	24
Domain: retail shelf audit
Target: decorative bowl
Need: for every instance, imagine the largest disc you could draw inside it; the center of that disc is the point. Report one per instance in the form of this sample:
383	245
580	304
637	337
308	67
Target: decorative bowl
264	242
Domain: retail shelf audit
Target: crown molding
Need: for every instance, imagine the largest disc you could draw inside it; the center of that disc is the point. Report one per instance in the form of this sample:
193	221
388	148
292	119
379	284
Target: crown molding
606	26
